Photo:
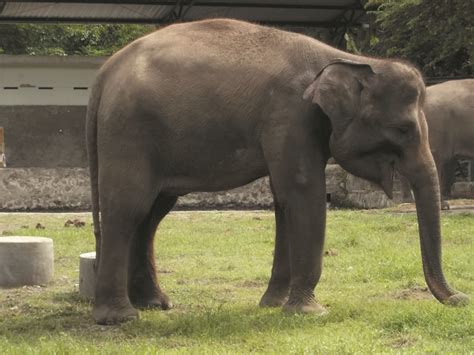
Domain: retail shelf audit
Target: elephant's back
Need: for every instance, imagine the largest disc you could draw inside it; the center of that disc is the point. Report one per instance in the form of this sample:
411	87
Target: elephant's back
215	65
449	109
222	48
211	45
451	92
451	100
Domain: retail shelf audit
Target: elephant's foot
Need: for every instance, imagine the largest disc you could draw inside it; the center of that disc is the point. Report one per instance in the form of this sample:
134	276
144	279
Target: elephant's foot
151	300
305	305
110	315
274	297
445	205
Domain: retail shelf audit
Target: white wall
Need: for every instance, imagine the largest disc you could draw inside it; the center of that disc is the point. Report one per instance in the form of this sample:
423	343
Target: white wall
29	80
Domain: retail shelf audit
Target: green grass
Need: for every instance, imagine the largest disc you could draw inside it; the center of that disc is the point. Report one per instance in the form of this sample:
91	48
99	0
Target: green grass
215	266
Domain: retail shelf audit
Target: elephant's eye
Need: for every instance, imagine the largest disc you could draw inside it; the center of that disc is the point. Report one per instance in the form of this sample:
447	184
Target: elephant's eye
403	129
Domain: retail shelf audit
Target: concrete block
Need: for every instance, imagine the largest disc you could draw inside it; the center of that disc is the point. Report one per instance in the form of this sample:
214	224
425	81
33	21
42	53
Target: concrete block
44	189
87	275
463	190
26	261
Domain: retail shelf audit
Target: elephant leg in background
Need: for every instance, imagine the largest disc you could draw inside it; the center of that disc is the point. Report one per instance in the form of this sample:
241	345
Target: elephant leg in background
445	168
279	286
407	195
126	201
143	287
445	176
449	172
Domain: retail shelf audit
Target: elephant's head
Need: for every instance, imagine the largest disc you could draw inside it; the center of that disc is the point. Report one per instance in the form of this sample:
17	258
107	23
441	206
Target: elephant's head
378	125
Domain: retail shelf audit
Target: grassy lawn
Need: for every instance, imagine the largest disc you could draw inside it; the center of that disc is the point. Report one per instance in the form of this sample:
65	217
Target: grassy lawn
215	266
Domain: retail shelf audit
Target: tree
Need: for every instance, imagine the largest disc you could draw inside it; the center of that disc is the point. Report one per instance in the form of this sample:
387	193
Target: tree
435	35
60	39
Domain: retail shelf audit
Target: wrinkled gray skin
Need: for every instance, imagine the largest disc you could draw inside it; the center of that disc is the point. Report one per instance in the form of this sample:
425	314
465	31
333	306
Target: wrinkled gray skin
216	104
449	110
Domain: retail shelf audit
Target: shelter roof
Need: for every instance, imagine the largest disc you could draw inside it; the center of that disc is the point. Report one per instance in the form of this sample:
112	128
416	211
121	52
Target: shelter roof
318	13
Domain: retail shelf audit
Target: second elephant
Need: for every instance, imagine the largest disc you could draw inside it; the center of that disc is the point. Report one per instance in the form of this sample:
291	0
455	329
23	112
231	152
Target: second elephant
449	110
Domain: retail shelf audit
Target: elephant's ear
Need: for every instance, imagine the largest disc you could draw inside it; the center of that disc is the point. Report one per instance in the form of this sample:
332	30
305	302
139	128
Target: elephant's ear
337	90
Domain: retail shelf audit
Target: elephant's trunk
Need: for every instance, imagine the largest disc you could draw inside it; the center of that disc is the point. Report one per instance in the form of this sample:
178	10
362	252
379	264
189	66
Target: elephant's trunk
424	181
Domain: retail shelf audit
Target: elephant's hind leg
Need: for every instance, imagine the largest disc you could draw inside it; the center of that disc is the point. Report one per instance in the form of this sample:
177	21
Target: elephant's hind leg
143	287
127	195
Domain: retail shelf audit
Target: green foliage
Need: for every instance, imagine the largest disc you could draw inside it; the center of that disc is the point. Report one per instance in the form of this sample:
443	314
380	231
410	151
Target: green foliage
59	39
215	266
436	35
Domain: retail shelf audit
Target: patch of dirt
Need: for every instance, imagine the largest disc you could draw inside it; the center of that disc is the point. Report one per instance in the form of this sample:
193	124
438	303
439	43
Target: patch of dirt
251	284
40	226
7	229
10	221
13	298
458	205
164	271
331	252
75	222
402	342
462	202
228	213
413	293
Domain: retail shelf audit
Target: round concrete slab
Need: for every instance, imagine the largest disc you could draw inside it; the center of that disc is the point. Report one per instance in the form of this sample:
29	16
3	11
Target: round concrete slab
87	275
26	261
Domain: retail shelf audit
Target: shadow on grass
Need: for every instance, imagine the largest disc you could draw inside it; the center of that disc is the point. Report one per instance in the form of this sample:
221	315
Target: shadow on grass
71	318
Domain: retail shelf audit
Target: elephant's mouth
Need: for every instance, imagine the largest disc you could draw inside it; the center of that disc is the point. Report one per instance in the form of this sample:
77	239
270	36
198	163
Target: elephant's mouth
387	174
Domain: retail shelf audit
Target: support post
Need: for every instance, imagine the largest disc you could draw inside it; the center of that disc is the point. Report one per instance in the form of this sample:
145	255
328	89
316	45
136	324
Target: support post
3	162
471	170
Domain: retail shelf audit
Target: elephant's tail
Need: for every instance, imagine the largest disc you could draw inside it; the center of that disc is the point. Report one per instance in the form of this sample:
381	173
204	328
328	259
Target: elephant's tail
91	138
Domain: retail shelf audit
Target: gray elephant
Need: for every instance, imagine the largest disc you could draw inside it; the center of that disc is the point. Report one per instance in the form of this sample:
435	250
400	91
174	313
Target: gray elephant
216	104
449	111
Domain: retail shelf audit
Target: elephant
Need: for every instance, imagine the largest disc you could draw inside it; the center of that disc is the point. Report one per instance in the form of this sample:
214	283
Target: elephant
215	104
449	112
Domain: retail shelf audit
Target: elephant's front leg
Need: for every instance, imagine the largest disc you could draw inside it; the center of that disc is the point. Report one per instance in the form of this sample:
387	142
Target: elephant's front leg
305	217
299	188
279	286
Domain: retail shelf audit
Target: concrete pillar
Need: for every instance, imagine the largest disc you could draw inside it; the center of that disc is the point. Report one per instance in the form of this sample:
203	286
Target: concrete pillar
87	275
26	261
